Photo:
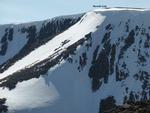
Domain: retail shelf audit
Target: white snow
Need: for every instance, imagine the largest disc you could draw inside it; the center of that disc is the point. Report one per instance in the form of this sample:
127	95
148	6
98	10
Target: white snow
74	33
120	9
30	94
18	42
64	89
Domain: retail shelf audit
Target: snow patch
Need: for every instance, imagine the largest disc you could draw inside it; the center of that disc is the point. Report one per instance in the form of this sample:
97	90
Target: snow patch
30	94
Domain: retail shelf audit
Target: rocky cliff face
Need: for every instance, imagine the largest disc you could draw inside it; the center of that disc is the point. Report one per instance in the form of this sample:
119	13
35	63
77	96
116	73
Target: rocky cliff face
87	63
19	40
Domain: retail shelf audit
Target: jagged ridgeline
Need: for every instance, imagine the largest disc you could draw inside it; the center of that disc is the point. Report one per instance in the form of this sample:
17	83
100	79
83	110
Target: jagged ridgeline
88	63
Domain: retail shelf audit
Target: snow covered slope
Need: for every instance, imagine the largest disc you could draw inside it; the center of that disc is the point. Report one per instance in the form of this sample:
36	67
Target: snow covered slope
80	64
16	41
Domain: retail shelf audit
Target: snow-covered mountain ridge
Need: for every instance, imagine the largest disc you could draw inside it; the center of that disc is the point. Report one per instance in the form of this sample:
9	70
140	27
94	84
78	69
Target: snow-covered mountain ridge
76	64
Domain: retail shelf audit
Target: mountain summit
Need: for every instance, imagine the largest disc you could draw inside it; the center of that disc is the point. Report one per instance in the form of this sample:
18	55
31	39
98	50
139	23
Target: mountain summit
85	63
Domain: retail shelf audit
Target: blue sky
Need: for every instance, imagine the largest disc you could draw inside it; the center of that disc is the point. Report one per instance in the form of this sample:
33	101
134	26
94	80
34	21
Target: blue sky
17	11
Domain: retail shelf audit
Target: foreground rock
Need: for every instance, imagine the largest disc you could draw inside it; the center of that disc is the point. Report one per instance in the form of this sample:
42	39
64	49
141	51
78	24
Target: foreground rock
132	107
